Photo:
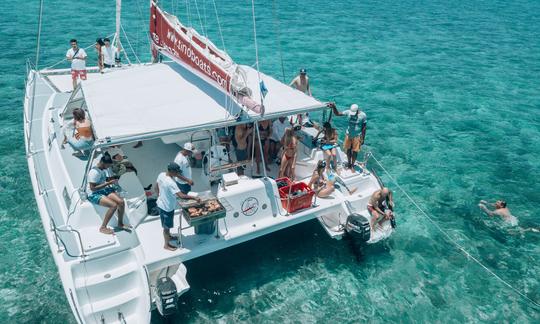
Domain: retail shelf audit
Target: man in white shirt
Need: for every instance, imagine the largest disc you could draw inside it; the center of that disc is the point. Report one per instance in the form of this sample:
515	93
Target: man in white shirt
77	57
184	180
102	191
109	53
278	130
168	192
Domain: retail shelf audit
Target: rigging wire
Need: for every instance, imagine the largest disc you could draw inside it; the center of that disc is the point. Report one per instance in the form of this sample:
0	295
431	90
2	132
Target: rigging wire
278	30
219	26
203	29
451	240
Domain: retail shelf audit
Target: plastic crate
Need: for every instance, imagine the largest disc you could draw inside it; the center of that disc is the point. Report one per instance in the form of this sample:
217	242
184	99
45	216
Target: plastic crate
296	203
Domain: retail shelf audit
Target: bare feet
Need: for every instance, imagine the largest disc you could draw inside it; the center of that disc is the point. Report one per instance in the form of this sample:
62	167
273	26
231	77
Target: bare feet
169	247
139	144
106	230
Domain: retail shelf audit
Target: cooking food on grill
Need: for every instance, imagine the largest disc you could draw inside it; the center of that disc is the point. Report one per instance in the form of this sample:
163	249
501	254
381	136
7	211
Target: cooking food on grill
204	208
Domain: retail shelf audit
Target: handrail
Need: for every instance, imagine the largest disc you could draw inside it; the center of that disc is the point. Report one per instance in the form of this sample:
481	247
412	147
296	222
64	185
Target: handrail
70	229
56	229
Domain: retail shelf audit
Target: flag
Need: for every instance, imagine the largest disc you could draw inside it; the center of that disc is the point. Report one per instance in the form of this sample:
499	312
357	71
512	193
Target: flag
264	91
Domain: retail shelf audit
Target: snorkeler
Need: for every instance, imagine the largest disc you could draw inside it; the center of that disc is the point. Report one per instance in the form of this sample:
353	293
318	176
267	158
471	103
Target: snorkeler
500	210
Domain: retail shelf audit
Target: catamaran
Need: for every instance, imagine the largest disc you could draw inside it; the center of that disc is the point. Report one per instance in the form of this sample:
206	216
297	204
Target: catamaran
163	105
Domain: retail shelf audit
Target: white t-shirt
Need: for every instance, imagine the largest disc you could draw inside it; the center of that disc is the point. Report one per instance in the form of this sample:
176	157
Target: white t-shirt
167	192
77	63
97	176
108	54
278	129
183	162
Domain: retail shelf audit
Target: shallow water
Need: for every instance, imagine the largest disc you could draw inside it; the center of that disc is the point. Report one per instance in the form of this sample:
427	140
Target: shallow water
452	93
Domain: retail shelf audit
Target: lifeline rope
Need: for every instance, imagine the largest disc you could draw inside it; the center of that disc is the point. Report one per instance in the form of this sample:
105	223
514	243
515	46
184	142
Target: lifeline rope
458	246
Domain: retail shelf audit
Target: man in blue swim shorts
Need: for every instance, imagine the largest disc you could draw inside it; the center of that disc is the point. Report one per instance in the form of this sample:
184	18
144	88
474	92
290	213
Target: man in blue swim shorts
168	191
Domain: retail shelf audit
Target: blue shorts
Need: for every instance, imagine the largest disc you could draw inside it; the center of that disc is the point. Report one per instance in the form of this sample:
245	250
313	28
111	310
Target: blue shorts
167	218
96	196
184	187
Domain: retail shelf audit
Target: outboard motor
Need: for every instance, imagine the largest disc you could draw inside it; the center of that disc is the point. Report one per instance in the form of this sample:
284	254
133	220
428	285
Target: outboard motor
166	296
358	227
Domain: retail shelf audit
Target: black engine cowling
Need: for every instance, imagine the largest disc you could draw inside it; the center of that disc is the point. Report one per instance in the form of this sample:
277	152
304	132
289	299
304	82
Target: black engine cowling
358	227
166	297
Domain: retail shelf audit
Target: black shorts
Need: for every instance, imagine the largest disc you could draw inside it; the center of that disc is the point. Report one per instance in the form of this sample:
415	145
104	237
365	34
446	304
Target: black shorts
167	218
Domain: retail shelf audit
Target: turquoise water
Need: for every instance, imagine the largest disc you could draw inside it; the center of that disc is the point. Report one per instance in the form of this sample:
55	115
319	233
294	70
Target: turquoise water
452	93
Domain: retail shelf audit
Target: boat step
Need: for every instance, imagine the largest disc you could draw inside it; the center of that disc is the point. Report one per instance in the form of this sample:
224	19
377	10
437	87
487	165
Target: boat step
113	302
106	275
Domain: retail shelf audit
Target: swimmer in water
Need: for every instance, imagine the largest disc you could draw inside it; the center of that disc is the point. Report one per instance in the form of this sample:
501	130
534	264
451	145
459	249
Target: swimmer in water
500	210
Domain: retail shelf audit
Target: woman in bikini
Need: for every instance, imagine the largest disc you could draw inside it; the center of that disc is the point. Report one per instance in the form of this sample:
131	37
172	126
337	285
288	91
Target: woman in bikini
265	131
322	185
82	138
288	160
328	144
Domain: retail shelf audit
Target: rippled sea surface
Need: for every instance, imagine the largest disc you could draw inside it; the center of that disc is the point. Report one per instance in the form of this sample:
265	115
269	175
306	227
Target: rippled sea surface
452	93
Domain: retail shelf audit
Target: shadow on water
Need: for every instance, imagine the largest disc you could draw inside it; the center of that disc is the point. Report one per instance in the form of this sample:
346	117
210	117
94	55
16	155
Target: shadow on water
219	279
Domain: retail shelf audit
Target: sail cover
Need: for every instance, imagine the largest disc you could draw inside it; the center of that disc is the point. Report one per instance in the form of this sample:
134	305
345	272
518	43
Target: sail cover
185	46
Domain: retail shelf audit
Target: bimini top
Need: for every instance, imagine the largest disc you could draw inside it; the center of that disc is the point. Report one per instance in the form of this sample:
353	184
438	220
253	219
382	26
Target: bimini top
164	98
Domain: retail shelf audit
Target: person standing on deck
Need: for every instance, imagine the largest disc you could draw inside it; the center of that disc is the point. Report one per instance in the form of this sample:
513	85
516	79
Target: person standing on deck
103	192
168	191
109	53
184	180
99	49
241	135
77	57
278	130
301	82
356	132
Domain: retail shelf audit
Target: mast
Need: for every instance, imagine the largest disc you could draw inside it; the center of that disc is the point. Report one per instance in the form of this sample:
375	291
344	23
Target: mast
118	17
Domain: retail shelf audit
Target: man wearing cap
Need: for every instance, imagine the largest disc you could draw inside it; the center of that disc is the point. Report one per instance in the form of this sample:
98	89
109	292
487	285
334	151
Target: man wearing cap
109	53
301	82
184	180
168	192
356	131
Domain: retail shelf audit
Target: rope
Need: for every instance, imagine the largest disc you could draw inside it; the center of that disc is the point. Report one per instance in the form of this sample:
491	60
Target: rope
129	43
200	19
277	26
451	240
219	27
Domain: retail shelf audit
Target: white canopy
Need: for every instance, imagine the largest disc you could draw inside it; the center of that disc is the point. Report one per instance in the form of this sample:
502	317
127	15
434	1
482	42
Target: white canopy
164	98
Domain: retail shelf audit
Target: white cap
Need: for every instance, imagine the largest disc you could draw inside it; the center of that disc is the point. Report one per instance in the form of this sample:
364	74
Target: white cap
189	147
354	108
113	151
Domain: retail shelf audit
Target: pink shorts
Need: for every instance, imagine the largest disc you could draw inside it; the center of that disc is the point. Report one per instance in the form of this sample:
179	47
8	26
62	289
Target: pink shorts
81	74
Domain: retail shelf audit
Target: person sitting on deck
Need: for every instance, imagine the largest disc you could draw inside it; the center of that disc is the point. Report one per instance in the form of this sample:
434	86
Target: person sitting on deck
328	145
278	131
356	132
184	179
241	134
168	191
82	137
77	56
103	192
288	160
381	206
322	185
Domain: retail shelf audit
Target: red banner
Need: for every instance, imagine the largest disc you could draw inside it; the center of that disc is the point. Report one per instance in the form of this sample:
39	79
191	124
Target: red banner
177	45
